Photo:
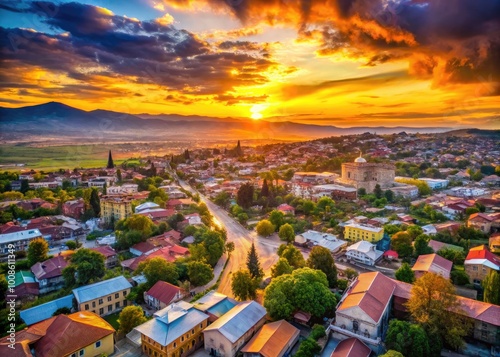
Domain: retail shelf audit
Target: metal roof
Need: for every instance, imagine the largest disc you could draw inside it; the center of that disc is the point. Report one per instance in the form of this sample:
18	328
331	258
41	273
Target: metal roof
238	320
172	322
21	235
45	311
100	289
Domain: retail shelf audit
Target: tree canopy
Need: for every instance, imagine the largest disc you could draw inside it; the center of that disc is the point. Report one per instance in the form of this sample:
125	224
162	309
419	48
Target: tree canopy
292	255
320	258
265	228
244	287
156	269
491	285
38	250
305	289
401	243
253	263
409	339
86	266
199	273
287	233
281	267
404	273
130	317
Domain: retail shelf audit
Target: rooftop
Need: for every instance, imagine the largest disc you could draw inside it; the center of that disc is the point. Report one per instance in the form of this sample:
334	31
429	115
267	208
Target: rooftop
164	291
427	261
102	288
21	235
45	311
272	339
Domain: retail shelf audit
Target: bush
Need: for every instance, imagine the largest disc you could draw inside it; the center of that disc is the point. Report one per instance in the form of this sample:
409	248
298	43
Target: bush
342	284
459	277
318	331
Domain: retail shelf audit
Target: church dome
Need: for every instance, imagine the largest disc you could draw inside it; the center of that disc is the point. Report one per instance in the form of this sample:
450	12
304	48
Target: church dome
359	159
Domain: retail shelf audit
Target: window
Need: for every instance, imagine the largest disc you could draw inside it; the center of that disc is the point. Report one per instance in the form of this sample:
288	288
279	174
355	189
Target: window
201	325
474	267
124	293
192	331
101	311
100	301
110	307
98	344
82	352
175	345
93	303
117	295
182	338
117	305
109	298
86	306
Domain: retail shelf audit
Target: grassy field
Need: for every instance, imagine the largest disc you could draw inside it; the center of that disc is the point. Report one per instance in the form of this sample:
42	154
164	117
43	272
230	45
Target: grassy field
113	320
54	157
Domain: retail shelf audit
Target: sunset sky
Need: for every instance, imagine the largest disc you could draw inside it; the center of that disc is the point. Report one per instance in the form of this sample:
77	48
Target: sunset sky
336	62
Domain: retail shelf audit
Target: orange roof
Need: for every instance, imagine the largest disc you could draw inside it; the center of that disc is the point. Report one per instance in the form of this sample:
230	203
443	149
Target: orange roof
164	292
272	339
352	347
371	292
426	261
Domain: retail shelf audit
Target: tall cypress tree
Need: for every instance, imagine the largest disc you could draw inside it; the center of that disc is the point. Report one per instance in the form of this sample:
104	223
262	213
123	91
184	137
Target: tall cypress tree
111	164
95	202
253	263
264	192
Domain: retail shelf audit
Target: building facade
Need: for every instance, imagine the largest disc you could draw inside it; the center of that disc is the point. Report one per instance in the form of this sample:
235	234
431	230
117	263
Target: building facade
361	174
357	231
115	208
18	240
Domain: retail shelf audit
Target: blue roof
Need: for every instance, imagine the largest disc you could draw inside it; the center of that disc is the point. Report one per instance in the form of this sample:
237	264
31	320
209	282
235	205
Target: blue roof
45	311
100	289
222	307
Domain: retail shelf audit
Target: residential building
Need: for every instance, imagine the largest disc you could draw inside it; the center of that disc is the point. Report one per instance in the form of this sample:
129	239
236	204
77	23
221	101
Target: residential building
174	331
275	339
25	286
74	208
123	189
479	262
407	191
364	252
18	241
326	240
435	184
103	298
361	174
351	347
358	231
45	311
363	311
485	222
116	207
432	263
336	192
80	334
215	305
48	274
110	256
162	294
226	336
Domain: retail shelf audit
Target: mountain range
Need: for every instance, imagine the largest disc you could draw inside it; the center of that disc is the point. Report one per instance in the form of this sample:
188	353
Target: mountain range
59	121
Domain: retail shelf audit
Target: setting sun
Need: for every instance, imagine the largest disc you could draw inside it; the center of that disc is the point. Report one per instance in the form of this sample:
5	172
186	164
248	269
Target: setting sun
256	110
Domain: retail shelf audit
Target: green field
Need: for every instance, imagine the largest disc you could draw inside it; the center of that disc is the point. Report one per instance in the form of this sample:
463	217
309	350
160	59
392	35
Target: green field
54	157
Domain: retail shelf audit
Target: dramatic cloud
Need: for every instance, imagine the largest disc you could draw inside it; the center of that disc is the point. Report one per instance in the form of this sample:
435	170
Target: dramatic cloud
448	40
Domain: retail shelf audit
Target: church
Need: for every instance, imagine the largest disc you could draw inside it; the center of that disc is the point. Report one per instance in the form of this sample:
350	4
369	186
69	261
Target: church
361	174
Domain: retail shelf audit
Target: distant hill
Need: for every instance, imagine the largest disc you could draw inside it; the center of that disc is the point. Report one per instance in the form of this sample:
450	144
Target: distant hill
473	132
57	120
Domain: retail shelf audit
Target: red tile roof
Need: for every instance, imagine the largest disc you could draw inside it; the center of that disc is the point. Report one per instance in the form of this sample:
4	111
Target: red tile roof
50	268
164	292
107	251
483	254
352	347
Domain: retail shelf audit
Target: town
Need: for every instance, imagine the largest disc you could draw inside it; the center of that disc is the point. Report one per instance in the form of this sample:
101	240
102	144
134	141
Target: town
358	245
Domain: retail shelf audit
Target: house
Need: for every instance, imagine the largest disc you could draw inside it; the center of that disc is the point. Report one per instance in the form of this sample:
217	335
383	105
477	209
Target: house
173	331
74	208
357	231
48	274
485	222
25	286
104	297
226	336
479	262
351	347
325	240
80	334
162	294
45	311
18	241
169	253
364	252
275	339
391	255
363	311
432	263
193	219
286	209
435	184
110	256
437	246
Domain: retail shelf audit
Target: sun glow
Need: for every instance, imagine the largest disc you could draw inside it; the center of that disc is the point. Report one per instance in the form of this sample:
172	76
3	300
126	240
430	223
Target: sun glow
256	110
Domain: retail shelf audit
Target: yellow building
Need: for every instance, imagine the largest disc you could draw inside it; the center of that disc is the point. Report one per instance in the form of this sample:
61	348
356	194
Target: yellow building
356	232
119	207
174	331
105	297
80	334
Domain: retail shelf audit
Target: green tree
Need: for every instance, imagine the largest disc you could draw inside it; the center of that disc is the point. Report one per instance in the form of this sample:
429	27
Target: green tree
321	258
392	353
265	228
421	245
244	287
38	250
130	317
459	277
389	195
110	164
94	201
491	286
401	243
277	218
409	339
264	191
69	275
308	348
414	231
253	263
305	289
229	248
350	273
434	305
71	244
308	207
244	196
281	267
222	199
199	273
287	233
292	255
156	269
378	191
404	273
89	265
214	246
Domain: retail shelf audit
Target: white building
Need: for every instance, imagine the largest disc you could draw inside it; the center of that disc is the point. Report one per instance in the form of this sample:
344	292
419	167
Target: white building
325	240
18	240
363	252
118	190
435	184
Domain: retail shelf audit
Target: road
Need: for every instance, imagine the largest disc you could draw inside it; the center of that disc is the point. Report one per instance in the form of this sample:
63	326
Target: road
242	238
